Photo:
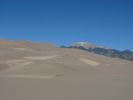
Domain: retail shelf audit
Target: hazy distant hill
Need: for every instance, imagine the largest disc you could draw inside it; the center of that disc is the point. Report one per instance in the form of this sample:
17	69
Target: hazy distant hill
126	54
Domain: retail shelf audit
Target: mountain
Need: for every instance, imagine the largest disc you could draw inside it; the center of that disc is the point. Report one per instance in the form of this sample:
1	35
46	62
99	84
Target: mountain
101	50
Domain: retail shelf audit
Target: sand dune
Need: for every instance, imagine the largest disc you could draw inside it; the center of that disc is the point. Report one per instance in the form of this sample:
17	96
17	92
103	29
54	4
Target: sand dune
15	64
30	76
89	62
42	57
50	73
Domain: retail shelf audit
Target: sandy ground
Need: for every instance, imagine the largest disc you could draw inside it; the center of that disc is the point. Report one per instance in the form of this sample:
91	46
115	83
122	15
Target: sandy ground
89	62
41	57
64	74
71	87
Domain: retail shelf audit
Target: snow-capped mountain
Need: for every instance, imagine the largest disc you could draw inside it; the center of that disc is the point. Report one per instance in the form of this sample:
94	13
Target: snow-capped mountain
102	50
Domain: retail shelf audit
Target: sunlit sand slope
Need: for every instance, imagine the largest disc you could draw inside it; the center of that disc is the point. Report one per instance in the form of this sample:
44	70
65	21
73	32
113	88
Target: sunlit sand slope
33	71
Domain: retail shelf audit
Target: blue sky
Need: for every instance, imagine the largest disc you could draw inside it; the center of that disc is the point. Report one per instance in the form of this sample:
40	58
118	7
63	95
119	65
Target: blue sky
62	22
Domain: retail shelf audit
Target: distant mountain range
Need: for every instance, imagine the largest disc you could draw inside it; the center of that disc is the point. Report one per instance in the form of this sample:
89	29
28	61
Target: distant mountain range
101	50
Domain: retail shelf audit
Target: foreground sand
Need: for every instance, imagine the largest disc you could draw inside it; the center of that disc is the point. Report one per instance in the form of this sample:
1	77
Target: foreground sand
63	74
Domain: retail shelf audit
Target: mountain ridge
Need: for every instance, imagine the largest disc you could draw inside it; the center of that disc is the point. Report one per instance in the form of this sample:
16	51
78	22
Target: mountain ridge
102	50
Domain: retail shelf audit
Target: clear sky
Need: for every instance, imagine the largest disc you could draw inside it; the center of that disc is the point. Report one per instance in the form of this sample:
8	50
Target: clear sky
62	22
